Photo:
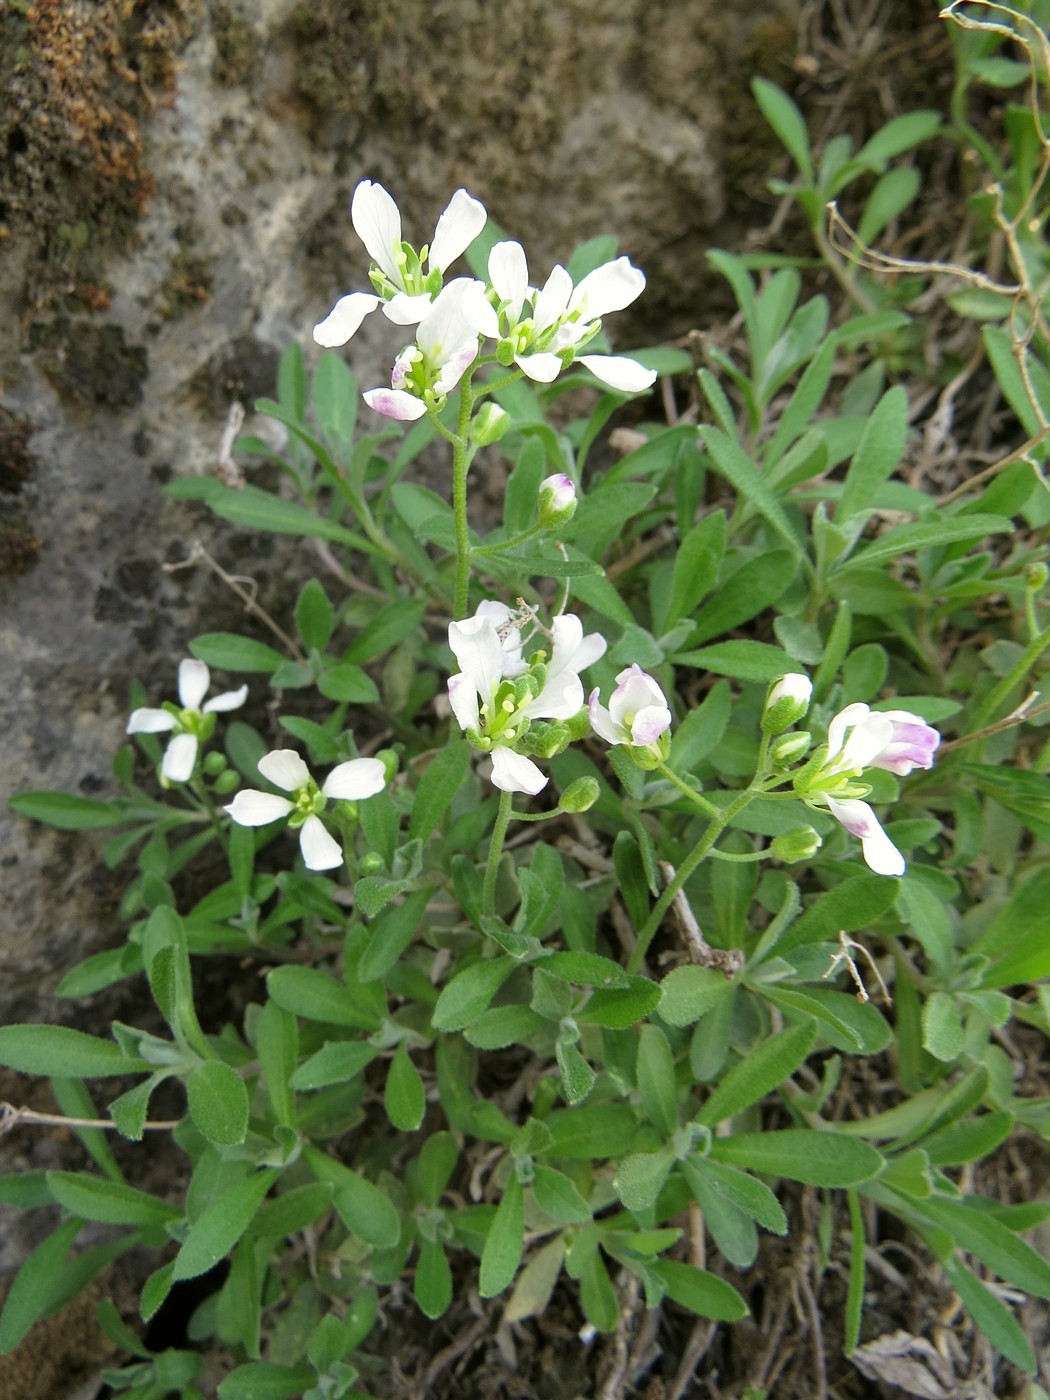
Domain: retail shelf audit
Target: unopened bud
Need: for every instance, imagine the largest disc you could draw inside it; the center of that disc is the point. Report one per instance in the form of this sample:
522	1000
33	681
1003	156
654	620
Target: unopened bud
214	763
372	863
388	758
1036	575
557	501
490	424
802	843
580	795
226	782
787	701
789	748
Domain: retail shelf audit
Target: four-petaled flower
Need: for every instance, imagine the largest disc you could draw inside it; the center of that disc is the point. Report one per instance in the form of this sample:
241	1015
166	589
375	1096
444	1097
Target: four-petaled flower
403	289
190	722
352	781
496	697
637	713
542	331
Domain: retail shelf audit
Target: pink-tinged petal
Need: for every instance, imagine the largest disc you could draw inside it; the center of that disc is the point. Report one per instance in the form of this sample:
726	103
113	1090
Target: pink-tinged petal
456	366
513	772
476	646
912	744
553	299
356	779
377	220
610	287
179	758
624	375
845	719
344	320
456	230
194	679
254	808
509	274
880	854
636	691
603	723
319	849
150	722
463	697
542	368
649	724
407	310
285	769
865	742
228	700
395	403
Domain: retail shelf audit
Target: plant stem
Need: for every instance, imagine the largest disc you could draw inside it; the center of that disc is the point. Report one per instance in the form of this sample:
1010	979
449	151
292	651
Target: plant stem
705	806
460	467
998	694
499	832
714	830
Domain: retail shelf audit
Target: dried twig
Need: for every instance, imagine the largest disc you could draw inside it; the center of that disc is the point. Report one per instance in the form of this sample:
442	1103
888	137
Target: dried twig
12	1117
727	960
199	555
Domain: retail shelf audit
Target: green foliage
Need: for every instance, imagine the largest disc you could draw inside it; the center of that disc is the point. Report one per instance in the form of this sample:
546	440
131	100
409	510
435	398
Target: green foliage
684	975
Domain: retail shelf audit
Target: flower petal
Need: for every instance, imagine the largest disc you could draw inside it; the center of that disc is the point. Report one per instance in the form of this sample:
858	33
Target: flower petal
321	851
476	646
603	723
880	853
541	369
649	724
179	758
356	779
620	372
455	366
395	403
513	772
610	287
377	221
456	230
228	700
463	697
285	769
553	298
254	808
509	274
343	321
845	719
406	310
150	722
194	679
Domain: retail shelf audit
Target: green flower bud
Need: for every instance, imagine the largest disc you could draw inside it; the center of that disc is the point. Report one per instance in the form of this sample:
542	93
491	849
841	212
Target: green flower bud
580	795
389	759
372	863
787	701
505	353
1036	575
802	843
226	781
557	501
214	763
789	748
490	424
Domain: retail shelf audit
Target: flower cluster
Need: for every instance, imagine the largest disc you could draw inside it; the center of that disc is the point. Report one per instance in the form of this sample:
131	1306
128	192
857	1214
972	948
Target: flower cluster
637	716
541	330
512	708
189	723
349	782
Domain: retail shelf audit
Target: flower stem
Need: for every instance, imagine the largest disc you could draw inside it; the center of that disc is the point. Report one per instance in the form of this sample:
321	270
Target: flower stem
705	806
499	832
714	830
460	467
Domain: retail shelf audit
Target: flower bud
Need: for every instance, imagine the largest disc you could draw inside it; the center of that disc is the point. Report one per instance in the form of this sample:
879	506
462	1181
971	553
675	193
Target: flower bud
490	424
789	748
1036	575
226	781
557	500
214	763
372	863
389	759
580	795
786	703
802	843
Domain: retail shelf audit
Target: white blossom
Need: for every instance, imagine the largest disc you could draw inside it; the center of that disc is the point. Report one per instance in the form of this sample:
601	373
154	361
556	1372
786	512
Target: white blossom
446	345
351	781
637	715
880	853
186	722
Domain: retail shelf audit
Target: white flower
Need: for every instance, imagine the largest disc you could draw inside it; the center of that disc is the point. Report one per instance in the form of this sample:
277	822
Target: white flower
895	740
446	345
536	328
352	782
557	499
405	290
637	713
859	820
496	697
188	721
787	701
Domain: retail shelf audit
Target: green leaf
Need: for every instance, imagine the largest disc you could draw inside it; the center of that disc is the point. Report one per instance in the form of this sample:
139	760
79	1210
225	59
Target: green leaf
390	934
968	1141
363	1207
277	1045
348	684
33	1290
109	1202
335	400
469	993
800	1154
432	1285
337	1062
702	1293
218	1102
942	1028
880	450
504	1242
535	1284
234	653
260	510
753	1197
853	904
732	462
595	1130
292	1210
263	1380
758	1073
743	660
67	811
314	617
63	1053
689	992
695	571
788	123
992	1316
620	1008
215	1232
391	625
577	1076
316	996
924	534
640	1178
656	1080
441	780
701	729
744	594
979	1233
557	1195
405	1097
586	970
